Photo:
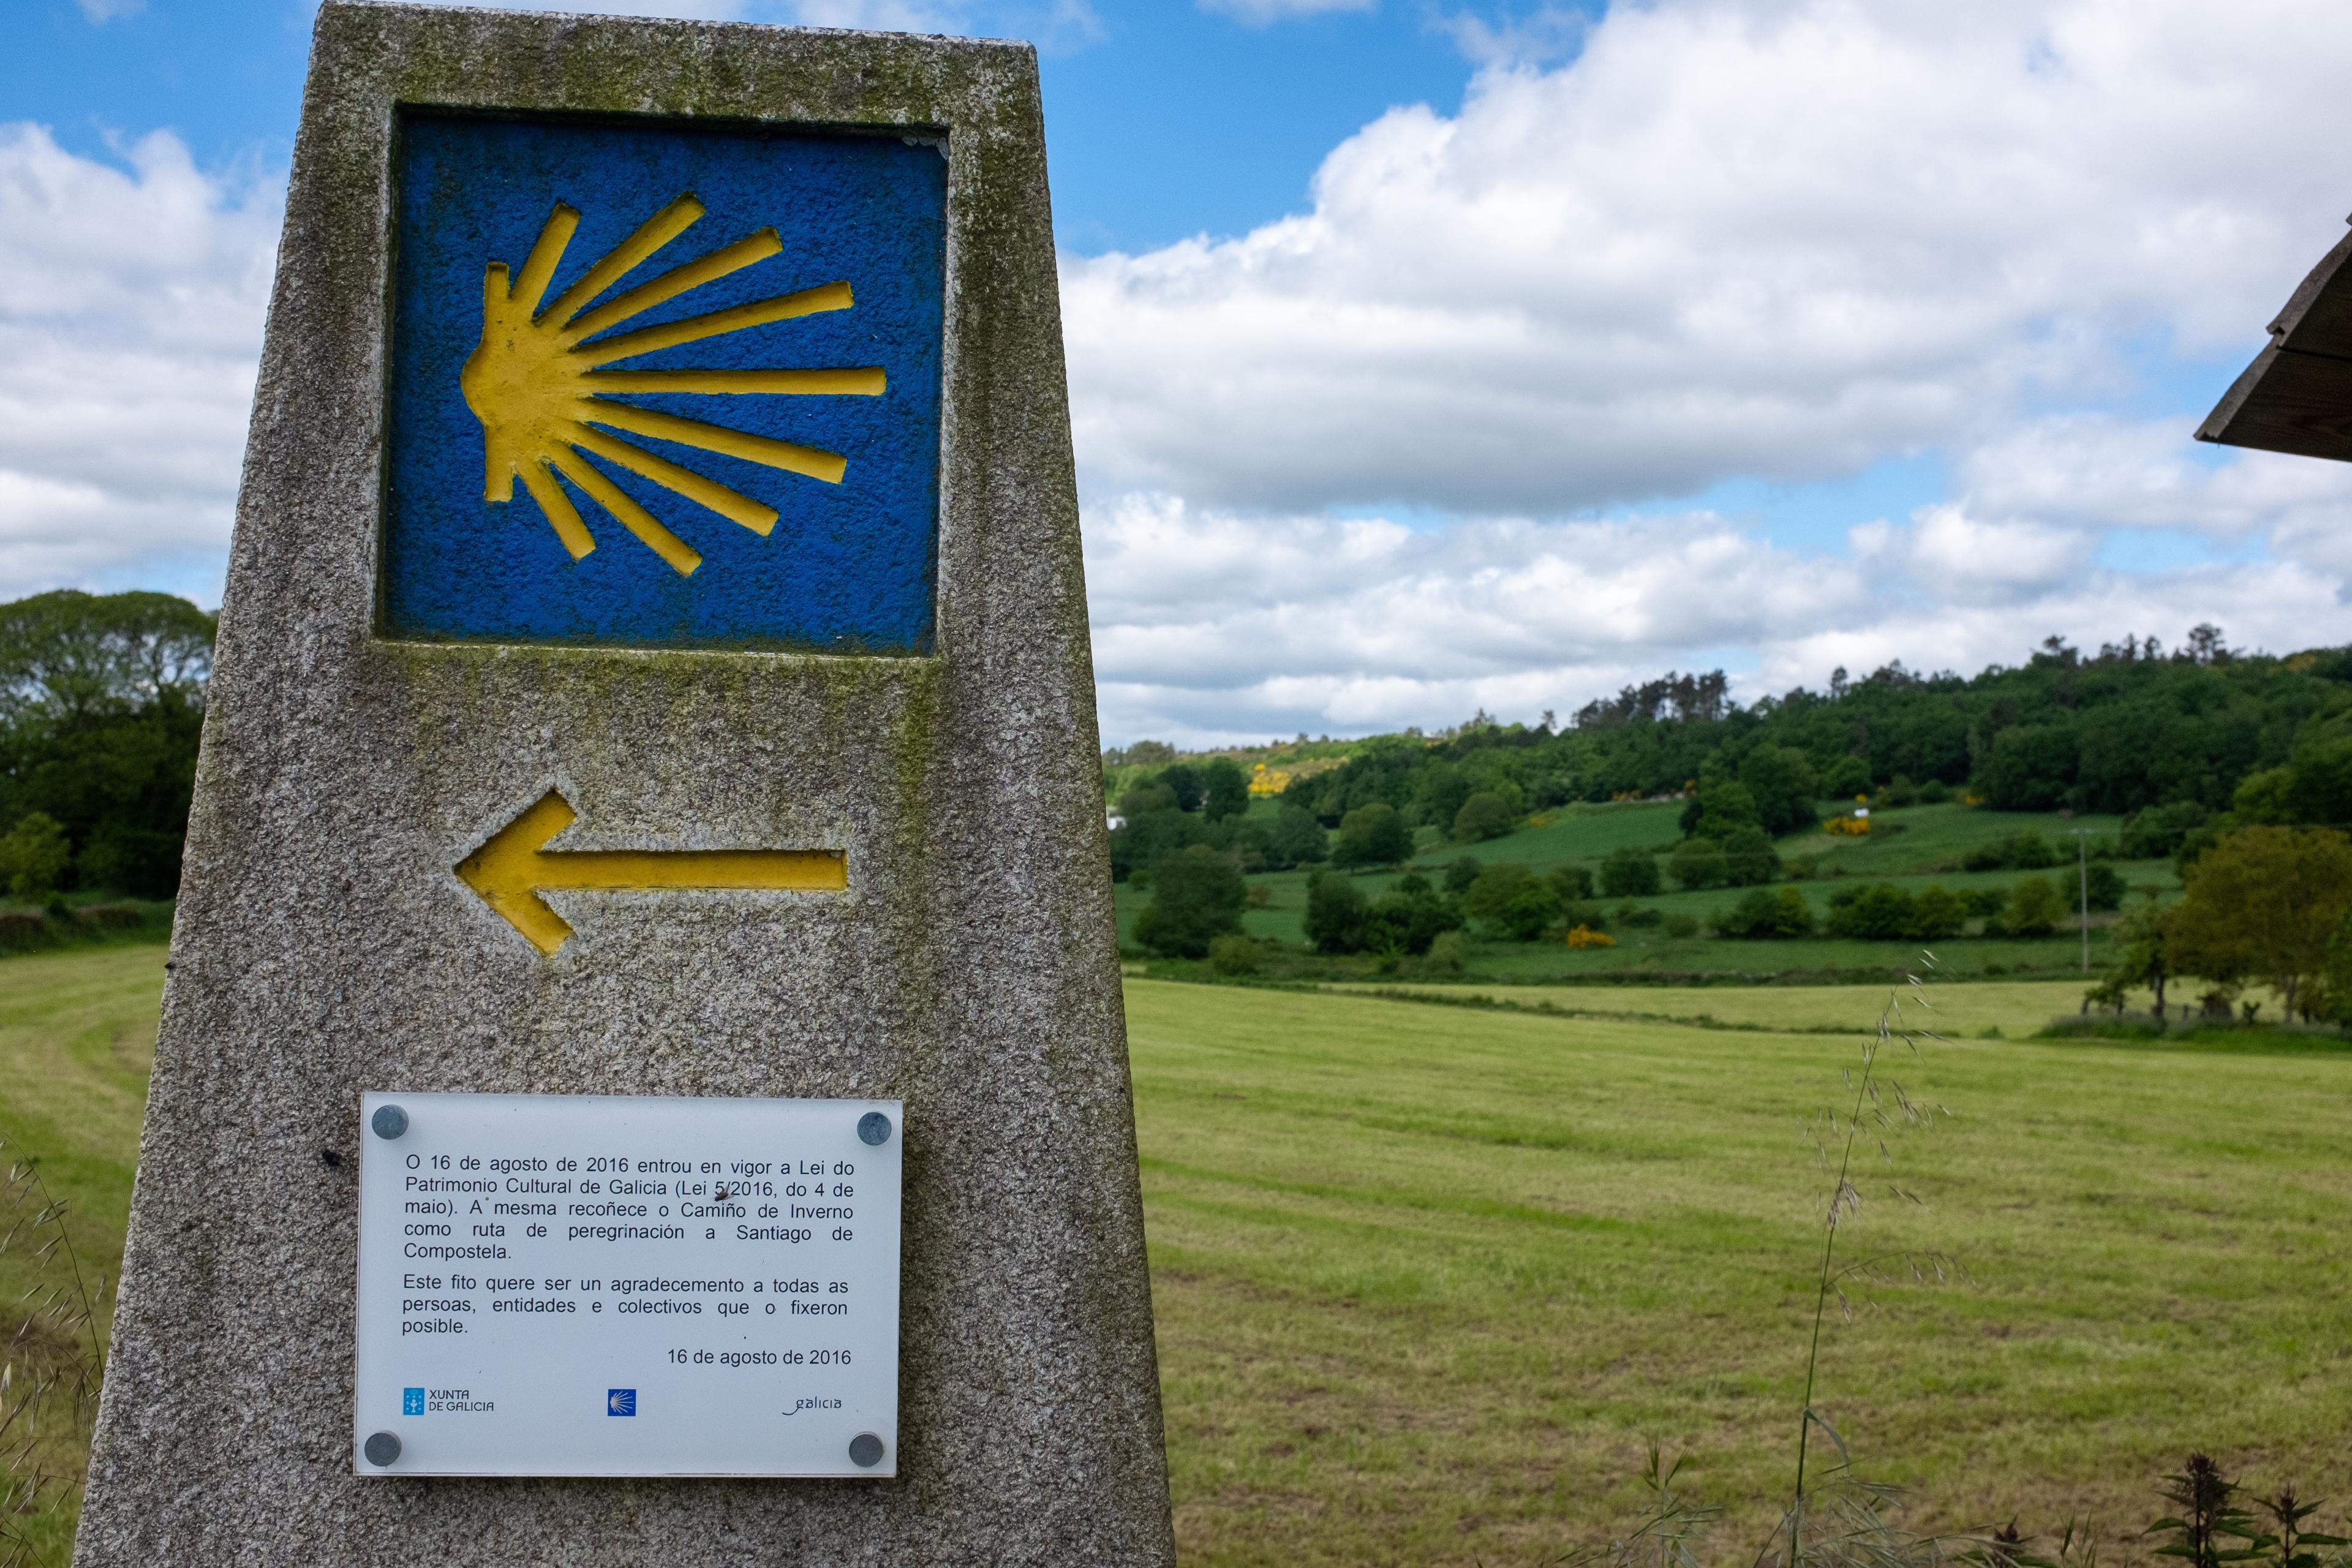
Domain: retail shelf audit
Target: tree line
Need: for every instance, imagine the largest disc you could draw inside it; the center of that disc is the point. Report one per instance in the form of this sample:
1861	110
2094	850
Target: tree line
101	707
2130	728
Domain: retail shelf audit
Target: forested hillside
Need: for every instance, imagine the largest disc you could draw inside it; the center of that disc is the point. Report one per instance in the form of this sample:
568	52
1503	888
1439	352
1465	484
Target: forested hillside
2117	731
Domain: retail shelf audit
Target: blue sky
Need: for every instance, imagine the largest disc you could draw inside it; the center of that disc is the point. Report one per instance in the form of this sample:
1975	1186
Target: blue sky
1424	356
1165	120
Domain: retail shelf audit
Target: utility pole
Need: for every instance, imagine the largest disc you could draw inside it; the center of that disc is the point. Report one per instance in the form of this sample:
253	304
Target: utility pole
2082	890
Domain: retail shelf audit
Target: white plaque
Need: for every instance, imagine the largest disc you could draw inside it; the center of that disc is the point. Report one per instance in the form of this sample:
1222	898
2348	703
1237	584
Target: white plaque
592	1285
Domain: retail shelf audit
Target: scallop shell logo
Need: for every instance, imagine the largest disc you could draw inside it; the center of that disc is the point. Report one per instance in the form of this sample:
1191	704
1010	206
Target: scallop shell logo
537	384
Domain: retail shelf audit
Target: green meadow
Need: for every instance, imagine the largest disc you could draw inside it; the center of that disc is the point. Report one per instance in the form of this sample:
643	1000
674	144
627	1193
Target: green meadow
1913	848
1430	1279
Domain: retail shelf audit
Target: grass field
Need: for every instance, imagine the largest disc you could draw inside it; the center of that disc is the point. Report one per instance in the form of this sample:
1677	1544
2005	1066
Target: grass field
1920	845
1428	1279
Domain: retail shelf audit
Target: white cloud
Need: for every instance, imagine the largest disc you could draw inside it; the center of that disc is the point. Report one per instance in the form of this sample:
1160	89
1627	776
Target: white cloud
1213	626
100	11
131	309
1782	238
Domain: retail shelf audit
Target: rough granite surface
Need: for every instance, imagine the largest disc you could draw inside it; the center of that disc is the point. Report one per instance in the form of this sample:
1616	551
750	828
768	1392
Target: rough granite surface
325	946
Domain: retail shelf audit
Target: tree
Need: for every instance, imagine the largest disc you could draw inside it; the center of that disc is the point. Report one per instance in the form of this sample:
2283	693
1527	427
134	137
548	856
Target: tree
1847	777
1629	873
2103	887
2264	901
2030	768
1697	863
1462	873
1297	839
1511	901
68	654
1146	838
1719	809
1572	883
1748	857
1372	834
1408	916
1224	789
2154	834
2144	955
34	855
1197	896
1335	913
1483	815
1183	782
1781	780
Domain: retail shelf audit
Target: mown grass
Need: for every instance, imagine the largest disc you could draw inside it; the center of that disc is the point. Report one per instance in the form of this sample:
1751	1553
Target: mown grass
1428	1279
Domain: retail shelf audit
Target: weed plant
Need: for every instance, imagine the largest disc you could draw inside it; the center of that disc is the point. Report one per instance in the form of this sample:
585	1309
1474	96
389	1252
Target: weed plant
49	1372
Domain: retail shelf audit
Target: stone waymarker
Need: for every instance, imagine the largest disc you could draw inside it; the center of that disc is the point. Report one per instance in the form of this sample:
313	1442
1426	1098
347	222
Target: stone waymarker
654	666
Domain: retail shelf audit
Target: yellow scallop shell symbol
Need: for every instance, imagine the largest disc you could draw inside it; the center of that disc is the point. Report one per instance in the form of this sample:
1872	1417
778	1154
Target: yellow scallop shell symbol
537	383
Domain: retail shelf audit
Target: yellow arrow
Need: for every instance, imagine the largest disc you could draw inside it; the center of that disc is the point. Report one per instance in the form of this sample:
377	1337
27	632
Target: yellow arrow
515	865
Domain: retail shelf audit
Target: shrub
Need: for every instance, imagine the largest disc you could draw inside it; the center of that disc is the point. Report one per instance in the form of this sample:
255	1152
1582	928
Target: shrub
1197	896
1372	834
1880	913
1935	914
112	917
1572	883
1585	936
1484	815
1233	954
1983	903
1630	913
1408	917
1462	873
1698	863
2034	909
21	929
1681	926
34	855
1629	873
1748	857
2104	887
1448	952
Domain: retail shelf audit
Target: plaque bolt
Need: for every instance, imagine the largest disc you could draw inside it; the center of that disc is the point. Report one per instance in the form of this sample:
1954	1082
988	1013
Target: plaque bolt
382	1448
864	1449
391	1122
871	1128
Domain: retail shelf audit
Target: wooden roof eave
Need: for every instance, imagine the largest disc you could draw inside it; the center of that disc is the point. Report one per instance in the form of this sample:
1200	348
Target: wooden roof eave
2296	396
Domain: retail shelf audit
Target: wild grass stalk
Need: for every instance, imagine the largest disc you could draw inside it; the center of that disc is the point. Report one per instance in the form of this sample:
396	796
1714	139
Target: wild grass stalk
1880	1106
50	1370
